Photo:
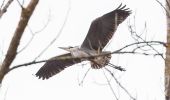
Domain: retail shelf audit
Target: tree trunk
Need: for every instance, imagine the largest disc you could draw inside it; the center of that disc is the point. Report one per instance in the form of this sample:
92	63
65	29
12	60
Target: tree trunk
167	60
12	50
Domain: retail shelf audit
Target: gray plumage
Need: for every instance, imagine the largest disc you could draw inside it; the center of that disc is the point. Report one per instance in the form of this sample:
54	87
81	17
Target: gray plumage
100	32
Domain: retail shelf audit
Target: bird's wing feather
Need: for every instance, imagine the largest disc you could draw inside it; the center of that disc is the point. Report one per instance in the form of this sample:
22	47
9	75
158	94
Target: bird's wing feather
103	28
56	65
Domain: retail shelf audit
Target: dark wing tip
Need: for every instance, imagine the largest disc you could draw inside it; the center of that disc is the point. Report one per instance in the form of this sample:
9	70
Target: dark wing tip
119	6
40	74
49	69
123	8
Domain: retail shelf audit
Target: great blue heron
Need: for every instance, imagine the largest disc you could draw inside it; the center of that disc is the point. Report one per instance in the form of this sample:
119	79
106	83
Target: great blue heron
99	34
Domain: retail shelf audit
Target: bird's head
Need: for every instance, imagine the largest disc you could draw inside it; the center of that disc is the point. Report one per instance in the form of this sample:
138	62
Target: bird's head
70	48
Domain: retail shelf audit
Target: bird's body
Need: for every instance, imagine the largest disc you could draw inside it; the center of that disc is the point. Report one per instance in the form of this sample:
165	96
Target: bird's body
96	62
101	31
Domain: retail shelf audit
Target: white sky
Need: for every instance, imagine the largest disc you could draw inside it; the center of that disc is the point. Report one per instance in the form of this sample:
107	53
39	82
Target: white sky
144	75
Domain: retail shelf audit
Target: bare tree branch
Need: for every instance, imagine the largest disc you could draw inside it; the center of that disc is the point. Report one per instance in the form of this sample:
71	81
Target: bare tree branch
21	5
143	42
116	67
111	88
138	38
2	4
120	84
26	64
119	51
12	50
4	9
168	13
81	83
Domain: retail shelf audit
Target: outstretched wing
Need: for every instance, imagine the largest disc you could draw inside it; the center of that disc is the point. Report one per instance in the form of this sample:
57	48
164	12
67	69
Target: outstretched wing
55	65
103	28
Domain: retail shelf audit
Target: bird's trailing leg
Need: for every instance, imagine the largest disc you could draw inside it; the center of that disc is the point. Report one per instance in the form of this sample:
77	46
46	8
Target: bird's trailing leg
116	67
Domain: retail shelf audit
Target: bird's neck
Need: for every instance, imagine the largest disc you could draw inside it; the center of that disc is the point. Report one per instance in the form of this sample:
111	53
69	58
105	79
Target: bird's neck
79	53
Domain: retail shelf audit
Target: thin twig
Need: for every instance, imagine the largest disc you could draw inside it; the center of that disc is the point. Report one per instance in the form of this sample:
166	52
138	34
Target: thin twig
28	43
144	42
149	45
6	91
138	38
33	34
111	88
168	14
120	84
2	4
46	24
20	4
84	76
4	9
26	64
57	36
116	67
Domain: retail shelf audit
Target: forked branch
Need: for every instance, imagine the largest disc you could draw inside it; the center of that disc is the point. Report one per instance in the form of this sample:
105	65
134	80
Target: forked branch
12	50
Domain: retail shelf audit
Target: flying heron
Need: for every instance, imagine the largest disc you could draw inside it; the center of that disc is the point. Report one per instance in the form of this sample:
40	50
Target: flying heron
99	34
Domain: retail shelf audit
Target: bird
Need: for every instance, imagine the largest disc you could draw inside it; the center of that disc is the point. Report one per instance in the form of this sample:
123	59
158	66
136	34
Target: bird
99	34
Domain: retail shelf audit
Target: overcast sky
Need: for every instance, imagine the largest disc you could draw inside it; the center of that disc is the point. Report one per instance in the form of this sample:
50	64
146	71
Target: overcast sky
144	75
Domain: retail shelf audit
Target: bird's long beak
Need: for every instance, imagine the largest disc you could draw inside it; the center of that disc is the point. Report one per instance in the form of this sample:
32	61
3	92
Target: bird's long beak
64	48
